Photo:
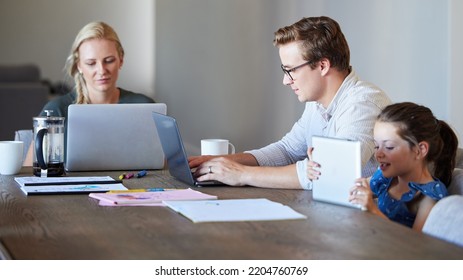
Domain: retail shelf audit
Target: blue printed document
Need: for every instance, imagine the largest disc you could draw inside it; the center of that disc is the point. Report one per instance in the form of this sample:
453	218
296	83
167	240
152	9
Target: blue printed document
233	210
60	185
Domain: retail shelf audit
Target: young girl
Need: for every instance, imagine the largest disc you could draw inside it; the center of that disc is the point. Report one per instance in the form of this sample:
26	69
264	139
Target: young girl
416	156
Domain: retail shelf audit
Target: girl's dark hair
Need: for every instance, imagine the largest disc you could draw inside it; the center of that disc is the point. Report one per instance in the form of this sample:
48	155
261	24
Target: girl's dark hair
416	123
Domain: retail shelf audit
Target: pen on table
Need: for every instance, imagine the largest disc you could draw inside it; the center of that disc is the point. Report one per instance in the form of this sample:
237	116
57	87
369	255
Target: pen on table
141	190
128	176
73	183
122	176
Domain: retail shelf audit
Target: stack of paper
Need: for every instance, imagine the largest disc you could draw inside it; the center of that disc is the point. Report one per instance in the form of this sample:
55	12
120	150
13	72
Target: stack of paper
149	198
59	185
234	210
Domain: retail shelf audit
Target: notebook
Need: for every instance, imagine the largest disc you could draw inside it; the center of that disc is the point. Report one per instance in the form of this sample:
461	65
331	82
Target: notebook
113	137
341	165
174	150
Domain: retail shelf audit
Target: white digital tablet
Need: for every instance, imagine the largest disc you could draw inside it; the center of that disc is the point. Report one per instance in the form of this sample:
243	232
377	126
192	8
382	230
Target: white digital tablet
341	165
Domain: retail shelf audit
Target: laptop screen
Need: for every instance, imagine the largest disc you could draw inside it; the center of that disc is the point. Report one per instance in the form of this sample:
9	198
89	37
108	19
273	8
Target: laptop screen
113	137
174	151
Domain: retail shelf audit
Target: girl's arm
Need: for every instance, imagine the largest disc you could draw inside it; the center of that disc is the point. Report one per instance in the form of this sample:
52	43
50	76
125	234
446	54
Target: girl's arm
425	206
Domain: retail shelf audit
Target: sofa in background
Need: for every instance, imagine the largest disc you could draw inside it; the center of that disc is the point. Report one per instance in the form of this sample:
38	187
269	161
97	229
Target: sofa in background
22	96
445	221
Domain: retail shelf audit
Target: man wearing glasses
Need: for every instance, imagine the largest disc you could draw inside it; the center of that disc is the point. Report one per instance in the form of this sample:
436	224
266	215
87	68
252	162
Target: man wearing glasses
315	61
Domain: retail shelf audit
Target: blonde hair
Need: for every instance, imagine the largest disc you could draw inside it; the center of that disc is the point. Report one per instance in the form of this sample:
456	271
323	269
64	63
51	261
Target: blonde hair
93	30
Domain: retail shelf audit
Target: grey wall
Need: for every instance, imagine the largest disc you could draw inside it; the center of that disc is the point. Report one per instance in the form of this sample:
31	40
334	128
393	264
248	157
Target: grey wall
42	32
219	73
213	62
455	66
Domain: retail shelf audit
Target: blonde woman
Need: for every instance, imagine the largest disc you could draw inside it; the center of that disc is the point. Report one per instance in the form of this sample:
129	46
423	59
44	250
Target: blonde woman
96	57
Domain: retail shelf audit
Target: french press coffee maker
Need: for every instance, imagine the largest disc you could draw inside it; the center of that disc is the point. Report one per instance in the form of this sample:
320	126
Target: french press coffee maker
49	145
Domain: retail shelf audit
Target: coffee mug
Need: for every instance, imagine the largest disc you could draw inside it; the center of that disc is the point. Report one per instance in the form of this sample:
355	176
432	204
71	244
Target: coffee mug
11	157
215	147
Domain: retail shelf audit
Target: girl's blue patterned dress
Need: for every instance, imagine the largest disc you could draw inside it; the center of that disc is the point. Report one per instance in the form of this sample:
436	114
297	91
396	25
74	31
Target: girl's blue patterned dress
397	210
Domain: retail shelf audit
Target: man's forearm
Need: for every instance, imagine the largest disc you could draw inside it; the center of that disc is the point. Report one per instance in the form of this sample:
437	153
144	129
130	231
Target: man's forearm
282	177
244	158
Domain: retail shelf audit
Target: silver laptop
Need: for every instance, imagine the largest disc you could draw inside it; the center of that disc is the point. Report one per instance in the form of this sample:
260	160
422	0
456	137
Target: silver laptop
341	165
113	137
172	145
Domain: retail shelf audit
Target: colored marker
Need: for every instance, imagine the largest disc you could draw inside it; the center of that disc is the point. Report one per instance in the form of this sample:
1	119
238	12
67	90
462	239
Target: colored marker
122	176
141	174
128	176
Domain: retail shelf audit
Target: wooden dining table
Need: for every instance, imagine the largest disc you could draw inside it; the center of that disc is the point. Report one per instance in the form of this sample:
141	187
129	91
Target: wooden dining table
76	227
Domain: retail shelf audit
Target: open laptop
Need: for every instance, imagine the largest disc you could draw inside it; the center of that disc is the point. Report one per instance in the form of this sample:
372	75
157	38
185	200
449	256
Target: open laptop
172	145
341	165
113	137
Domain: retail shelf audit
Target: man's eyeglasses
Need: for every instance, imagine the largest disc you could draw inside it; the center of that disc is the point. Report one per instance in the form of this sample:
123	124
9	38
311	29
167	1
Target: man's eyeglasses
288	71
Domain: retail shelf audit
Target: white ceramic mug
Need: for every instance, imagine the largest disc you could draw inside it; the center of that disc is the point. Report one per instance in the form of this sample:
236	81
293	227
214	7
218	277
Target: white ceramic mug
215	147
11	157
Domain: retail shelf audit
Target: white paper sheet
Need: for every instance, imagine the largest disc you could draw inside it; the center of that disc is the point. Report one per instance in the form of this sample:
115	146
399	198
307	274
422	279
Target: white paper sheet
233	210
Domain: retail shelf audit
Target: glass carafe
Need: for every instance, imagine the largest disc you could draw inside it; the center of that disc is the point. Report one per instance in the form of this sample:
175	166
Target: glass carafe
49	145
